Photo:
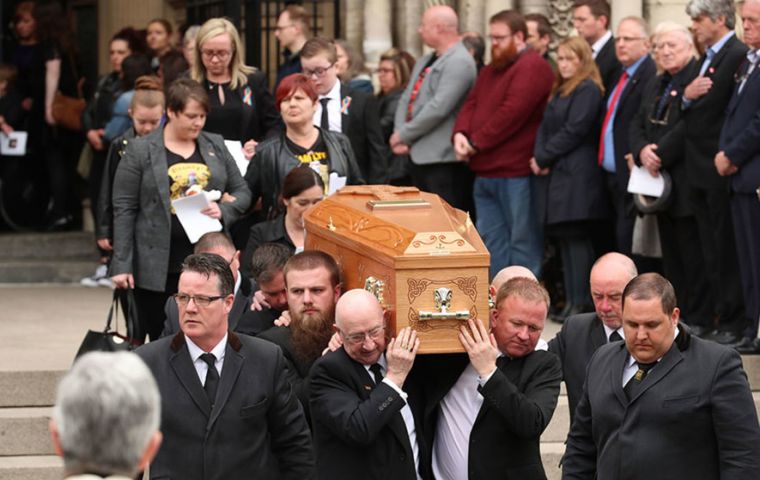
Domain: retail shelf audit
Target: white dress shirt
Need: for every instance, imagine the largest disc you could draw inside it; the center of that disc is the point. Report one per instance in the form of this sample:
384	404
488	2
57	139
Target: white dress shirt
406	412
333	109
608	331
596	47
201	367
631	367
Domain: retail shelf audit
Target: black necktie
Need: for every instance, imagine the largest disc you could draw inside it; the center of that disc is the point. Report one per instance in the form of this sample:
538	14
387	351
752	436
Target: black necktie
212	377
377	371
325	122
633	385
615	336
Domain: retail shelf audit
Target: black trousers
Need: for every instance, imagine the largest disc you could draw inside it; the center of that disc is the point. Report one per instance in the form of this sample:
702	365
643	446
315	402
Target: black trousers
577	253
451	181
683	266
150	309
745	212
622	207
712	213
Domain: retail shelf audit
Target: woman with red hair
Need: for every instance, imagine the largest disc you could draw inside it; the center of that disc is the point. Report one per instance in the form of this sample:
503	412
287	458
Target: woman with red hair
302	143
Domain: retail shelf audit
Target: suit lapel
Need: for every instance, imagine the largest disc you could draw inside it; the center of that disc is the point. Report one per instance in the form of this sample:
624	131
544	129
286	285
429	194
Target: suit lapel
213	162
670	360
183	367
598	335
616	374
233	363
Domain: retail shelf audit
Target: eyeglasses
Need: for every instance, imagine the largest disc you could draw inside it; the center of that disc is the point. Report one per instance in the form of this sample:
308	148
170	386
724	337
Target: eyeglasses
384	70
628	39
200	300
220	54
357	338
319	71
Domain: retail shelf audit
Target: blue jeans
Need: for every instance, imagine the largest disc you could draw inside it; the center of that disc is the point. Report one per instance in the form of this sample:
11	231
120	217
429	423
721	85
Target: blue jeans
507	222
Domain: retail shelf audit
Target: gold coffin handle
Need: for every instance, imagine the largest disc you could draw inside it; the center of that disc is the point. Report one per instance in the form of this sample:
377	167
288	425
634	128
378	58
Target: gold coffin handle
442	300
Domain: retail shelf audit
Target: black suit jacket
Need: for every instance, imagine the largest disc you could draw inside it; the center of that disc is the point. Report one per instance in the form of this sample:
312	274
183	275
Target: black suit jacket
358	428
740	136
664	133
360	122
575	344
609	66
256	428
628	105
240	306
693	417
269	231
518	403
704	117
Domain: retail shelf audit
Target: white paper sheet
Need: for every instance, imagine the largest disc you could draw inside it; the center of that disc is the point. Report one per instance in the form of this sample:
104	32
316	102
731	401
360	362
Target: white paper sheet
336	182
236	150
13	144
641	181
192	220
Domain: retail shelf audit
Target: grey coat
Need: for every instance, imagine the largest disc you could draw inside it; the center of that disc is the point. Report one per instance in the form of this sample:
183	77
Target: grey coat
141	205
441	95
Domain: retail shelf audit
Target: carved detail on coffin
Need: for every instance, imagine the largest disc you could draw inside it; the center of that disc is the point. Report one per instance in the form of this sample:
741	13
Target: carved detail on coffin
417	286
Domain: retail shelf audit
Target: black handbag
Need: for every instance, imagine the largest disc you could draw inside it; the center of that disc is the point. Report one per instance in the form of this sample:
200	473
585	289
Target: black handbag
113	341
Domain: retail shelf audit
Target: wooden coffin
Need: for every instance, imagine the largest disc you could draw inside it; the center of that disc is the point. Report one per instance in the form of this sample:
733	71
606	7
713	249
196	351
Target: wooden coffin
422	258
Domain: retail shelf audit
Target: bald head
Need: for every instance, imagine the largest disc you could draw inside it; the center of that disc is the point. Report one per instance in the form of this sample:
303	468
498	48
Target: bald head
609	276
360	321
508	273
356	304
439	28
444	16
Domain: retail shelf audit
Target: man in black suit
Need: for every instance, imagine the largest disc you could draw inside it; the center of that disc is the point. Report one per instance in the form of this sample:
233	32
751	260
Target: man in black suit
704	101
271	298
220	244
664	404
583	334
312	280
343	109
292	31
363	423
485	412
632	50
227	408
591	18
739	159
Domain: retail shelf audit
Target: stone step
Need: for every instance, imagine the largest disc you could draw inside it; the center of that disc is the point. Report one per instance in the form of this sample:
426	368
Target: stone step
46	271
52	246
551	454
31	467
25	431
28	389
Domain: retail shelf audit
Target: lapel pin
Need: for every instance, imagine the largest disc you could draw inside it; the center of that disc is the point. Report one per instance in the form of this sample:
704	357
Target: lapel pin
211	153
368	388
673	93
711	70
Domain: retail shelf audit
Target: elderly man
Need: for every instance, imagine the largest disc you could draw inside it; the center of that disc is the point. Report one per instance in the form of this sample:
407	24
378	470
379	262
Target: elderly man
495	132
312	280
429	105
739	159
362	419
106	417
343	109
632	50
220	244
485	412
664	404
704	101
292	31
591	19
583	334
228	409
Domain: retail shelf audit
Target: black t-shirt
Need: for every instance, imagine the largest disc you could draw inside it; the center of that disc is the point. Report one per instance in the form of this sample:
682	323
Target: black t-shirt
315	156
225	119
183	173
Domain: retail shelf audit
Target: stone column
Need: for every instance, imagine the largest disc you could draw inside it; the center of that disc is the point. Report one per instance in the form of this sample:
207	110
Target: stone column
408	14
625	8
534	6
353	23
377	29
561	18
656	11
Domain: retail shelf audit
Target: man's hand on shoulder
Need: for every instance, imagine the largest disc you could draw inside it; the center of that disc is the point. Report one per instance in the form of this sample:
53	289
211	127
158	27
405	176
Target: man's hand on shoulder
480	347
400	355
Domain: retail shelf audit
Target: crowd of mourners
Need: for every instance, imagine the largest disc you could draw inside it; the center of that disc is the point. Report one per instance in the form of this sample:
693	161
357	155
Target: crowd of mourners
539	145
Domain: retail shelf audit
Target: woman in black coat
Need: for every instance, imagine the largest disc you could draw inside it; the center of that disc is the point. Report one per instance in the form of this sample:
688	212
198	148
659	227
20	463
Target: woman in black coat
656	140
570	190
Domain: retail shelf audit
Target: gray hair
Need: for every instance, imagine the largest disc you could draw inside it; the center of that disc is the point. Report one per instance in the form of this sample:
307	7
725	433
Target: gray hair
106	411
643	24
713	9
669	26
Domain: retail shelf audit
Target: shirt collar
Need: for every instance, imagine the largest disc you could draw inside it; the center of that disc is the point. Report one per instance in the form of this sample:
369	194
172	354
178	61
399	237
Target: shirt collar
334	93
196	351
753	56
631	70
597	46
608	331
719	44
237	283
380	361
632	360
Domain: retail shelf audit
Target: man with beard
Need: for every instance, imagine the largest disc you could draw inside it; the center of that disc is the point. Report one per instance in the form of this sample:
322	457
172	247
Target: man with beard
495	132
312	280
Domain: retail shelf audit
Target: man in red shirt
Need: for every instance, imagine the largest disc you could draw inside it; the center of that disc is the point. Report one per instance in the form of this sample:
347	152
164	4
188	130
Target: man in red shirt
495	132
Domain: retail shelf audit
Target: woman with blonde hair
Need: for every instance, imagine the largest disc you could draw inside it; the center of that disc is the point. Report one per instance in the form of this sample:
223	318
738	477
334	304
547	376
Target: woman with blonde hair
570	189
242	108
